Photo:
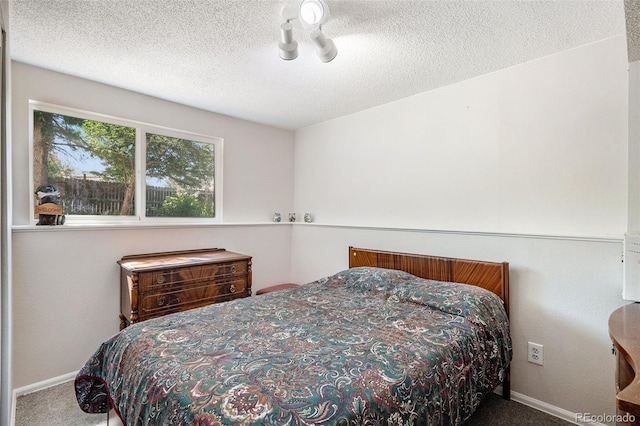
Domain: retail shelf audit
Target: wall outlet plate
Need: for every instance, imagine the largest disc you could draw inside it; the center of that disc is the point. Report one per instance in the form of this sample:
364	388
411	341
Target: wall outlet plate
535	353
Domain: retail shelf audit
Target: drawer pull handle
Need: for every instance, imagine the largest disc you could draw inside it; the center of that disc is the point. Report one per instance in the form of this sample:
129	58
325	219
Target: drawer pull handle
233	269
161	301
160	279
232	288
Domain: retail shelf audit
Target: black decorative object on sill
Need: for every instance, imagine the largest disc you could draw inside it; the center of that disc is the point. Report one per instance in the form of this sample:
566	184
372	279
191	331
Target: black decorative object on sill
49	208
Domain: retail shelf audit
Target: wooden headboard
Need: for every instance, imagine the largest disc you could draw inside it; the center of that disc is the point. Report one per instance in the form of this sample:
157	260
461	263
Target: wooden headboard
493	276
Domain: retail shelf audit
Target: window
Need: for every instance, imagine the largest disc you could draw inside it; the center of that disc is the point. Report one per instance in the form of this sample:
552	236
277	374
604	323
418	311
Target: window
109	169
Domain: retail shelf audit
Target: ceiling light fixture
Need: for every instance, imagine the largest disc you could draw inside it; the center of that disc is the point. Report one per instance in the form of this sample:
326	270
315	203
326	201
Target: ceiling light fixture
311	14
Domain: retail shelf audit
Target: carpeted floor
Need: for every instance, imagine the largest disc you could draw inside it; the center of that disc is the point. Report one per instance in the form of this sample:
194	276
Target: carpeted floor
56	406
495	411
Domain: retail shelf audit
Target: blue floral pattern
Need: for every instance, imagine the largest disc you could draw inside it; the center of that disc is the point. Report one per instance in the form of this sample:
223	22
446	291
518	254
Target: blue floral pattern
366	346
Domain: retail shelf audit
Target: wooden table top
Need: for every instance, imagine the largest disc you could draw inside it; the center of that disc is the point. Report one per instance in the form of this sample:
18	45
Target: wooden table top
624	329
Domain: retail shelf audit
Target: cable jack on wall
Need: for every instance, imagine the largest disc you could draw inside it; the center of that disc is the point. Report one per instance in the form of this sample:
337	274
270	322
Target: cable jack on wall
311	14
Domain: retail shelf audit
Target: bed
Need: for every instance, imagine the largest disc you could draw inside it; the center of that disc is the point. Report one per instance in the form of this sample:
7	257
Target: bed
395	339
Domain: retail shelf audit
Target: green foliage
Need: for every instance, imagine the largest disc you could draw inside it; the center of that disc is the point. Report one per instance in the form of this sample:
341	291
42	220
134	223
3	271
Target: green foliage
54	134
184	205
115	146
58	168
59	131
187	164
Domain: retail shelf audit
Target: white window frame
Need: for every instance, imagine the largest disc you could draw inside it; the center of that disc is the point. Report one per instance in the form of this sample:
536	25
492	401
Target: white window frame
142	129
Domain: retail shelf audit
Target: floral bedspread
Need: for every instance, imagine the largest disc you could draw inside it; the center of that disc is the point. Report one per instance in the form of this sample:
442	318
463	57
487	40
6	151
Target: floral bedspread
366	346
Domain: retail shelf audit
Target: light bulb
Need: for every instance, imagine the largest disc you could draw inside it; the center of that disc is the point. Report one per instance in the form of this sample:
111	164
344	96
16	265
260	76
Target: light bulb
312	12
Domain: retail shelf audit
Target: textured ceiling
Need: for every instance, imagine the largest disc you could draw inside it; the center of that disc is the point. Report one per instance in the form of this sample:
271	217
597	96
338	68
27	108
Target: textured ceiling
632	14
222	56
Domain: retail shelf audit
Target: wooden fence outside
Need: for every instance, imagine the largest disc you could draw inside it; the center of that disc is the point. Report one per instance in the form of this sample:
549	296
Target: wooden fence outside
94	197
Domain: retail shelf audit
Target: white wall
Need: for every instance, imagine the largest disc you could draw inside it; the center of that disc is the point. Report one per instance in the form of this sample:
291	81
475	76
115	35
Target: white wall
526	165
65	279
538	148
634	148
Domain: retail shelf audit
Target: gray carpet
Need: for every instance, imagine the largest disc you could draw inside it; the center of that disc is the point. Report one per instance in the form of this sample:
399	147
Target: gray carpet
56	406
495	411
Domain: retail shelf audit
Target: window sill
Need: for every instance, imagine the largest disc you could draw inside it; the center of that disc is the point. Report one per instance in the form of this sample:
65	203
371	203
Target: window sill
129	226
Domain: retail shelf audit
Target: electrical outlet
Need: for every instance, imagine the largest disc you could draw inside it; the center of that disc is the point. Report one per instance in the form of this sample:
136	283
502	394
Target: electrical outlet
535	353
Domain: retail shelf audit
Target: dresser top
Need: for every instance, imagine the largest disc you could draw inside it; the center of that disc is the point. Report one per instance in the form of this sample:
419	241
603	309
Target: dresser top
151	261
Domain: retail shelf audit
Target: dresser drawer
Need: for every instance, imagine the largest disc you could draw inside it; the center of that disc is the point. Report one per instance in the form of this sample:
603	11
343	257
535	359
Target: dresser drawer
186	276
161	303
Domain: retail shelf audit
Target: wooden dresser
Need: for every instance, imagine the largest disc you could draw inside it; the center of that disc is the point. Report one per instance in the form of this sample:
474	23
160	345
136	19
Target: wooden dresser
156	284
624	329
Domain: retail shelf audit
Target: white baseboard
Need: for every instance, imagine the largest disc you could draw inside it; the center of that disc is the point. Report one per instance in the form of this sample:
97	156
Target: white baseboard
552	410
35	387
